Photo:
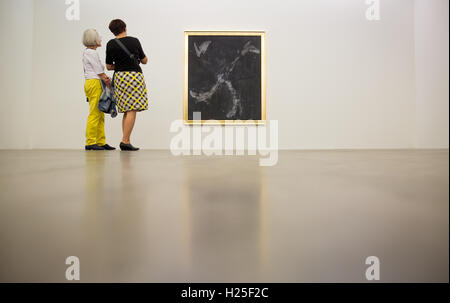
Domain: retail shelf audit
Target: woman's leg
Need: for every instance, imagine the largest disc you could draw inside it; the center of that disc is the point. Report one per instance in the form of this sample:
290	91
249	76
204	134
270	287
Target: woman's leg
127	125
93	90
101	138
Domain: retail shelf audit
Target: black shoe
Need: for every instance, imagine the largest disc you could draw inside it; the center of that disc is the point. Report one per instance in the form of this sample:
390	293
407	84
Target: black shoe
124	146
107	147
94	147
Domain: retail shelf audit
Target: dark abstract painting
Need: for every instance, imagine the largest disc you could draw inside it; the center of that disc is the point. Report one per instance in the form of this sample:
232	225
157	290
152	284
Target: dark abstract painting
224	76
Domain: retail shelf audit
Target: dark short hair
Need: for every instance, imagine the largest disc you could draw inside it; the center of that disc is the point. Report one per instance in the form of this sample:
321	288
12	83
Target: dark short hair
117	26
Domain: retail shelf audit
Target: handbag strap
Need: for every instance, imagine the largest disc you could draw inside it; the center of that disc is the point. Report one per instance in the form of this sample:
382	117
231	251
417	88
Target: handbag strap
125	49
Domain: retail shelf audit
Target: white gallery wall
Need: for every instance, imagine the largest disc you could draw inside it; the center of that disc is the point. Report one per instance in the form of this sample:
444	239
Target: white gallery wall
334	79
16	28
432	68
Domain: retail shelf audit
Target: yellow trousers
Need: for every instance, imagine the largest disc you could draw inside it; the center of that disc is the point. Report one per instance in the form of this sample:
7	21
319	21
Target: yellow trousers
95	128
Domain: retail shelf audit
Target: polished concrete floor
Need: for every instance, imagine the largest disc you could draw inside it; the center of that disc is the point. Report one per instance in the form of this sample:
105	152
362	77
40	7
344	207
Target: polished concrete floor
149	216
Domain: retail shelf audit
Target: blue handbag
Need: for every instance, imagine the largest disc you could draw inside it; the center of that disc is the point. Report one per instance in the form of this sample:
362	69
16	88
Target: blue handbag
107	104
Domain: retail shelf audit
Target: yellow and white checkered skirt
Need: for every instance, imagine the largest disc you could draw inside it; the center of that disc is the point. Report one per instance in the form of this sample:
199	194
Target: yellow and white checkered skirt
130	91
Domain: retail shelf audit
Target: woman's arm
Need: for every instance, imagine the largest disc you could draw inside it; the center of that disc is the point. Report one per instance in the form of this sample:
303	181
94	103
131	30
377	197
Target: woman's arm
105	79
110	66
142	57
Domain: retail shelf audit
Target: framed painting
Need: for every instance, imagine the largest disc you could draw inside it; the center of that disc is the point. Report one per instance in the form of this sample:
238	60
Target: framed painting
224	77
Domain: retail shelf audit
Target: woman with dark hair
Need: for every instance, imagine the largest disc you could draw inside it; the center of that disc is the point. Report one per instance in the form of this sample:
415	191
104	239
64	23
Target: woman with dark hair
123	55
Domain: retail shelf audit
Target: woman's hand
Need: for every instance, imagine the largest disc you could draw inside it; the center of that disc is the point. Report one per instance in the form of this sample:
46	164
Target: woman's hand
105	79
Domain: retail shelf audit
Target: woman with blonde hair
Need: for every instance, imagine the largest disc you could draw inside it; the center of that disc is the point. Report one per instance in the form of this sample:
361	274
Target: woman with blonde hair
94	72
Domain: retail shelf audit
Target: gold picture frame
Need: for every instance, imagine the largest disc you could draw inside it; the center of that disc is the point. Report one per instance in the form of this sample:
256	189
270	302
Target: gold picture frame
262	36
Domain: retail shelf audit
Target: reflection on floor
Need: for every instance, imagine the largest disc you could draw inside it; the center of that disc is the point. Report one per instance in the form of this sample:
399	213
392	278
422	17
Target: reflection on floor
149	216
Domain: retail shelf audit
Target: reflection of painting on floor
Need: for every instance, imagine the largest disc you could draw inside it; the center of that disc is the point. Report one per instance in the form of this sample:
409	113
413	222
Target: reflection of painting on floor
224	77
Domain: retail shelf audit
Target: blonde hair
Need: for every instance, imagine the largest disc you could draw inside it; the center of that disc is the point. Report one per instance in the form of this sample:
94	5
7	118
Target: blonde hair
91	38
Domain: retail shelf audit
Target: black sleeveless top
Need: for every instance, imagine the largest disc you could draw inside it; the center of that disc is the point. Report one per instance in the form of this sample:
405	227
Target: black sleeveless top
117	56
